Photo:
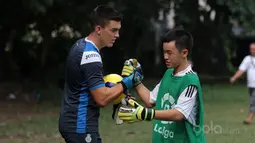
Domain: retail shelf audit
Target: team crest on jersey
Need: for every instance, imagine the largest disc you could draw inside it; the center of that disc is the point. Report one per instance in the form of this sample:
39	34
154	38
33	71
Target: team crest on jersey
88	138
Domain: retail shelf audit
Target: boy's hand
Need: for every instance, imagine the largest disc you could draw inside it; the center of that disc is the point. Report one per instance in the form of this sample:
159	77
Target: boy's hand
136	113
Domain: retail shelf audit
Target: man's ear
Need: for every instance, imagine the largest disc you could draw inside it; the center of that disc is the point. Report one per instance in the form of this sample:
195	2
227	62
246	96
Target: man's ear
98	29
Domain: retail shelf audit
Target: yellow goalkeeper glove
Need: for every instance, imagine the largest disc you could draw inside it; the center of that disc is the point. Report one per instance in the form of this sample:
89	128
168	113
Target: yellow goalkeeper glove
136	113
133	66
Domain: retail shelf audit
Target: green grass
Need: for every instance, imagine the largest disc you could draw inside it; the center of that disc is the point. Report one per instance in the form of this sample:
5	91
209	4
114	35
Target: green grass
225	108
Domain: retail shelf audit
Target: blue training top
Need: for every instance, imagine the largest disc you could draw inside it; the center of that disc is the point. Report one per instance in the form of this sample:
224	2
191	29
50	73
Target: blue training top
84	72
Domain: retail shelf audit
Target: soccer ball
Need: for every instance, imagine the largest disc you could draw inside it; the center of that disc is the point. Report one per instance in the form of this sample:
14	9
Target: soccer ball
111	80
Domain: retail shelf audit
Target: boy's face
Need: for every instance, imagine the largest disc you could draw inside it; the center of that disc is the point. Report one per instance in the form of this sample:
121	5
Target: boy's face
109	33
173	57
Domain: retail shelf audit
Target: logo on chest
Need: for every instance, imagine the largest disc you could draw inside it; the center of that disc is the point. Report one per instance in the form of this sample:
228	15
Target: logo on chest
167	102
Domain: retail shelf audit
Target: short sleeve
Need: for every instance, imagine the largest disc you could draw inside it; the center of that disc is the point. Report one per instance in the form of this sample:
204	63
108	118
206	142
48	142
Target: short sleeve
245	64
92	69
186	101
154	94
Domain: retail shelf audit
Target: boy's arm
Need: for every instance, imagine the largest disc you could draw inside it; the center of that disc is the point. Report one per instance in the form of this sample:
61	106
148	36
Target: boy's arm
147	96
182	110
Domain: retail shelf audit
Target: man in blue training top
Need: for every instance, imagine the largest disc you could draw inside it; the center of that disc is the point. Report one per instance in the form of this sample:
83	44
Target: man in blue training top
85	91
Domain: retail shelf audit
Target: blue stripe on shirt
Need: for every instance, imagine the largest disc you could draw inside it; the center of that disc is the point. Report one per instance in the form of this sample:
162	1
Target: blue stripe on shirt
82	113
90	47
97	86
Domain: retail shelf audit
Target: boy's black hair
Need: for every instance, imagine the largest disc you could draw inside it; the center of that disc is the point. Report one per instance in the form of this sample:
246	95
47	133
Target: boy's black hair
182	38
102	14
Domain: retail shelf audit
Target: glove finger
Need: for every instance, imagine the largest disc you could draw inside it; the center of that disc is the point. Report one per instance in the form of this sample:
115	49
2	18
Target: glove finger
127	71
134	121
131	97
133	103
128	62
121	114
128	68
126	119
130	122
134	62
125	74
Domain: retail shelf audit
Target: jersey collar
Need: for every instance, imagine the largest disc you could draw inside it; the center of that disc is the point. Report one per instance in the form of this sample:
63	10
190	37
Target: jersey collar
86	39
183	72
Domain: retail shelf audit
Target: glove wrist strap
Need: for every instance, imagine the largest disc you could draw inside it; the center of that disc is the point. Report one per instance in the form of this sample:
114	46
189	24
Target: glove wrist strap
123	85
150	114
137	84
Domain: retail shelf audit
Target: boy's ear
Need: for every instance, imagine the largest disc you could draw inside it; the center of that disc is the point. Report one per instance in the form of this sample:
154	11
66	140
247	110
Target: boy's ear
185	53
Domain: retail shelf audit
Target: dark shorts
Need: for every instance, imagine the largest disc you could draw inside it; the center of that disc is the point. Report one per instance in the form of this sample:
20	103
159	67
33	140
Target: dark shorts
252	100
81	138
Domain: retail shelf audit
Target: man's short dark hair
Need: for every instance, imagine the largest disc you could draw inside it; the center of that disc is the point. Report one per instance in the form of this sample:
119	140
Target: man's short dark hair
182	38
102	14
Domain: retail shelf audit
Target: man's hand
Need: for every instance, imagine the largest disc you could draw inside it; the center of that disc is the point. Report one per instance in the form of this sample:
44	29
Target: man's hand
232	80
237	75
136	113
133	66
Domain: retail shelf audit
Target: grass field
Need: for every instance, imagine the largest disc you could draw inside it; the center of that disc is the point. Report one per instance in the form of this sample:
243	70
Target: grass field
225	108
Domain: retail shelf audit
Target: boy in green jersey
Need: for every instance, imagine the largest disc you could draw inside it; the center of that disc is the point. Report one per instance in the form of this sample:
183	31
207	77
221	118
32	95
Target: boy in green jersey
179	113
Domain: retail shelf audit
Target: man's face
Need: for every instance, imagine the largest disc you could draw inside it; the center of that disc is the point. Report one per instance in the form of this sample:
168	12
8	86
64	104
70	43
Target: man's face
173	57
110	33
252	49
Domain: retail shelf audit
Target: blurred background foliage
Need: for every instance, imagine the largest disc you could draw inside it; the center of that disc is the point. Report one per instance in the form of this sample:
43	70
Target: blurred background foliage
35	35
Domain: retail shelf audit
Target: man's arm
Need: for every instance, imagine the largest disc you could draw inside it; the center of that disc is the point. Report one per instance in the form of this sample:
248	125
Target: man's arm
182	110
104	95
237	75
92	67
242	68
147	96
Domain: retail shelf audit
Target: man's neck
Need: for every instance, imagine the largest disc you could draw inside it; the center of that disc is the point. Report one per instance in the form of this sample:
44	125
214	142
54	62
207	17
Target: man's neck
94	38
181	67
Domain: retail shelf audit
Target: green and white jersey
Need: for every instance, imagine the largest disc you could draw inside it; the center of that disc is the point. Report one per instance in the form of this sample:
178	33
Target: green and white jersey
184	94
187	103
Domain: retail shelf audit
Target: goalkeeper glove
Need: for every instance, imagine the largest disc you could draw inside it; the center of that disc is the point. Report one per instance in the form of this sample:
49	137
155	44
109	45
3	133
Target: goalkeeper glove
122	103
137	112
130	66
